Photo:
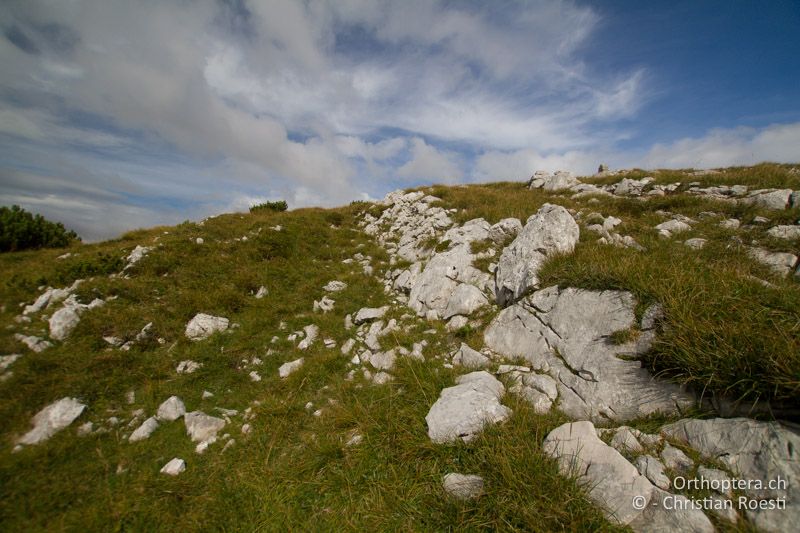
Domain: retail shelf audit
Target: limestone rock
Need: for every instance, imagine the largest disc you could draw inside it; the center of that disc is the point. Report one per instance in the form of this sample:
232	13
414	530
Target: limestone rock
145	430
288	368
696	243
174	467
463	487
673	226
558	181
593	382
35	344
63	321
507	228
675	459
469	358
335	286
781	263
785	232
368	314
188	367
311	333
171	409
550	231
653	469
751	450
201	427
770	198
325	304
464	300
52	419
463	410
203	326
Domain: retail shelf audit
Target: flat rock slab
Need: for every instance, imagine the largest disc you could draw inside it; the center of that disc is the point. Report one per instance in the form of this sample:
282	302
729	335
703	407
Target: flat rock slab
174	467
552	230
615	485
288	368
203	326
752	450
565	334
462	411
171	409
145	430
52	419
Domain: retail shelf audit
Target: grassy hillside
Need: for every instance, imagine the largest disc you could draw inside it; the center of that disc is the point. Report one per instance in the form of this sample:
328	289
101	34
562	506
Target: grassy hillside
727	332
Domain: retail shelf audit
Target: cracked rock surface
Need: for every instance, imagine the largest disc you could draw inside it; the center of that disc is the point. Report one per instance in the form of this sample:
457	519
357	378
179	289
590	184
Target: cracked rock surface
565	334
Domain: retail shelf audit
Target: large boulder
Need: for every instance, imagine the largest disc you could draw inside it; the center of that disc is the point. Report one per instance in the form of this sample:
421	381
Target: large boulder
462	411
565	333
751	450
558	181
551	231
770	198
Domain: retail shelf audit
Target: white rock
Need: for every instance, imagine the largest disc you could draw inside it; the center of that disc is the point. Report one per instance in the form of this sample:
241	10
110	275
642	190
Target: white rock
653	469
625	441
171	409
207	395
254	376
187	367
770	198
675	459
456	323
136	255
463	487
325	304
696	243
311	332
145	430
85	429
785	232
505	229
730	223
174	467
368	314
463	410
288	368
201	427
673	226
7	360
781	263
464	300
199	240
203	326
64	321
52	419
335	286
34	343
550	231
383	360
347	346
262	292
469	358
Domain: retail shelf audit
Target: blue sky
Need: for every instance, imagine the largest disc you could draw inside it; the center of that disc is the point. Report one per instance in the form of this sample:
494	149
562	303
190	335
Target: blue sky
123	114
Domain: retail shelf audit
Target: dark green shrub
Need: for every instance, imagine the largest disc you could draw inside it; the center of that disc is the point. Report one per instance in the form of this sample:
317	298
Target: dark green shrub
277	206
20	230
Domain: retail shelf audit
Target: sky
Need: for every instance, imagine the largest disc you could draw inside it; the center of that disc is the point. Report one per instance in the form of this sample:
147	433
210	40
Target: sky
121	114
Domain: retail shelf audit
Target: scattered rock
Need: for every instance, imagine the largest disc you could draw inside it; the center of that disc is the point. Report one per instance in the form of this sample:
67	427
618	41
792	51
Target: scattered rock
171	409
653	469
552	230
785	232
508	228
203	326
288	368
174	467
730	223
325	304
675	459
469	358
463	487
463	410
145	430
201	427
696	243
262	292
35	344
311	332
770	198
187	367
781	263
368	314
335	286
52	419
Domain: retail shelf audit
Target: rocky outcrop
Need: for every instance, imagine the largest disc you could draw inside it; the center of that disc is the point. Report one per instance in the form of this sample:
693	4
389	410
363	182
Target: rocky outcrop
551	231
565	334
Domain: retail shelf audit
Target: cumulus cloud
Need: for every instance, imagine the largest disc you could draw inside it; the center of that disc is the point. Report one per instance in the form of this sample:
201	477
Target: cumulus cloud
176	110
428	163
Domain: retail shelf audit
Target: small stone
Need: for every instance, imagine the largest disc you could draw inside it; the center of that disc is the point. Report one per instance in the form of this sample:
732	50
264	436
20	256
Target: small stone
625	441
203	326
254	376
335	286
199	240
207	395
262	292
246	429
675	459
171	409
368	314
202	427
145	430
288	368
187	367
653	469
174	467
696	243
463	487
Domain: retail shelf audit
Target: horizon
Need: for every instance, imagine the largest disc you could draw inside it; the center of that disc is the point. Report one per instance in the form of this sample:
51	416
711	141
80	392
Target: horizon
122	116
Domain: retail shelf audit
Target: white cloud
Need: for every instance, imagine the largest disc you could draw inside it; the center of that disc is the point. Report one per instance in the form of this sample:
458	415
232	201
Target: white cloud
428	163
